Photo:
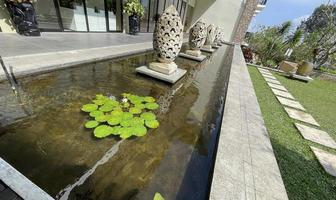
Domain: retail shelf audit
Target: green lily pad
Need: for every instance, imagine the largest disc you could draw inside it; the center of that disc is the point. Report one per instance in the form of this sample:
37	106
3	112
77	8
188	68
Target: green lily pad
116	113
102	131
114	120
116	130
125	95
152	106
91	124
139	131
98	102
148	116
140	106
126	123
125	105
158	196
127	115
101	118
111	102
135	110
96	113
106	108
89	107
152	123
125	132
149	99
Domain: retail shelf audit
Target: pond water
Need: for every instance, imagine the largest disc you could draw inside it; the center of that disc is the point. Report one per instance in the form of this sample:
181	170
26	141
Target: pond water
42	130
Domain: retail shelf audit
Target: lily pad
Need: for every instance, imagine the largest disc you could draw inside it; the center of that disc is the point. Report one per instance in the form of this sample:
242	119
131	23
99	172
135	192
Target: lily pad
140	106
96	113
101	118
125	105
152	123
111	102
106	108
125	133
149	99
126	123
102	131
139	130
98	102
116	130
158	196
91	124
89	107
114	120
127	115
116	113
152	106
148	116
135	110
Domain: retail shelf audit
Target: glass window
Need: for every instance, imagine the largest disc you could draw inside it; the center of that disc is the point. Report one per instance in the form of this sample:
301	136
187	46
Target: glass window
46	14
95	10
114	14
73	15
144	20
153	16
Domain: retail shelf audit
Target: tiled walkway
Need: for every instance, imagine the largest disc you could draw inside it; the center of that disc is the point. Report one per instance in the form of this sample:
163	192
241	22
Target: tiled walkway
245	166
296	111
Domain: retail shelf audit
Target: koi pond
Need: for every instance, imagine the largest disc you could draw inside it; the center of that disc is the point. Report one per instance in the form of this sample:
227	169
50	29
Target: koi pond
42	132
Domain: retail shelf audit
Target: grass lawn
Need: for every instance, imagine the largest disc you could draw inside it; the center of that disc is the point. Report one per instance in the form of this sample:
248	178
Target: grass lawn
303	176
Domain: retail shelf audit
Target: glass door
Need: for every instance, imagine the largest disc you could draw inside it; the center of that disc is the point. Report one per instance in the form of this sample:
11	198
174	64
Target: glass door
95	10
46	15
73	15
114	13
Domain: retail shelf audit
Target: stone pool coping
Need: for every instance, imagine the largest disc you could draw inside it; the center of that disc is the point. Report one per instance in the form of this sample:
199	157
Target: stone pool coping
245	166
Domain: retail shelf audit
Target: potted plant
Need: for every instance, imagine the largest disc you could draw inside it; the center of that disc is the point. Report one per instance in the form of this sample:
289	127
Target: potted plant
135	12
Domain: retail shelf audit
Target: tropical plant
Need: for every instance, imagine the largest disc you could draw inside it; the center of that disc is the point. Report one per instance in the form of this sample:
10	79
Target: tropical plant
129	117
134	7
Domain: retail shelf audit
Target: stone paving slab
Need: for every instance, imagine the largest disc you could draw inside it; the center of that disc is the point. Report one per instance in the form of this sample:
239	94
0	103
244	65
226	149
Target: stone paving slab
301	116
290	103
245	166
327	160
266	73
282	94
275	86
268	76
272	81
315	135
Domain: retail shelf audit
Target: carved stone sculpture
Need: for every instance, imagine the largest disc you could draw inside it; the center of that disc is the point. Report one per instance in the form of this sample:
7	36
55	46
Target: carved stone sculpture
168	38
197	37
217	35
210	36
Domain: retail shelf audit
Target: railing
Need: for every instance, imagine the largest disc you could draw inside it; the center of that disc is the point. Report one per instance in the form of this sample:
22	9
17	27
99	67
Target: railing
262	2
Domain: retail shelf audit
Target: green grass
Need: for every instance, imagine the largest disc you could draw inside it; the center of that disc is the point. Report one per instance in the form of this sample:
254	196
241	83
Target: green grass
303	176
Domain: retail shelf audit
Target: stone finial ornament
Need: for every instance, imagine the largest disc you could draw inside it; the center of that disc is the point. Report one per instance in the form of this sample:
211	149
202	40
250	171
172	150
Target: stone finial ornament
210	36
197	37
168	38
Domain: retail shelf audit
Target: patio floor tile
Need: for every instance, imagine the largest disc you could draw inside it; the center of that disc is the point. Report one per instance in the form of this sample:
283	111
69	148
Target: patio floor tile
282	94
275	86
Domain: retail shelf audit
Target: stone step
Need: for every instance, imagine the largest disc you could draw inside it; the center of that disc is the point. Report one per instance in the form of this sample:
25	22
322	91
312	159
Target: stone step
315	135
327	160
301	116
290	103
282	94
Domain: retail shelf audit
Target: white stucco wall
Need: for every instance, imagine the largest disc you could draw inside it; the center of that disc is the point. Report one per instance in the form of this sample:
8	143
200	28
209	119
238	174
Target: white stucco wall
223	13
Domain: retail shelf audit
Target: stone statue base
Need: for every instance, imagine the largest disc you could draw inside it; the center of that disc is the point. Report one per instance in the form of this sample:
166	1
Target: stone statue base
195	53
172	78
165	68
196	58
208	48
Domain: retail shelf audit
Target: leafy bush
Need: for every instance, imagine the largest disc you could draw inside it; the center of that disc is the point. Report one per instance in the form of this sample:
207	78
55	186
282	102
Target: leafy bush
134	7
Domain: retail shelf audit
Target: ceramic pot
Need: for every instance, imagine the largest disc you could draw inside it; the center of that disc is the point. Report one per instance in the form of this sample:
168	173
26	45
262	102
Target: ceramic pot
134	24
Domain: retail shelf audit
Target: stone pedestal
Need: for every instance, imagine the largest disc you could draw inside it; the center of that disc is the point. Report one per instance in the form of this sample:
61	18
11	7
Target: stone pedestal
165	68
195	53
171	78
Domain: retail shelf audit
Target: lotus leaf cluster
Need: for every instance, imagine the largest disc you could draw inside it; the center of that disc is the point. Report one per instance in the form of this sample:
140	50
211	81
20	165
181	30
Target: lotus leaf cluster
131	116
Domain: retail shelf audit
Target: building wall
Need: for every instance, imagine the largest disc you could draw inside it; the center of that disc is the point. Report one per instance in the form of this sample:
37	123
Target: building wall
223	13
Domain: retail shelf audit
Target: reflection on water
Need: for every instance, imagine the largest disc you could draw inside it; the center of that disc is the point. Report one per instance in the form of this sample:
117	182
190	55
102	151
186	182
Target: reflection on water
50	146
